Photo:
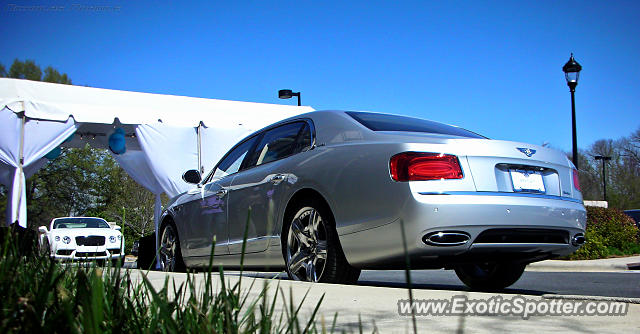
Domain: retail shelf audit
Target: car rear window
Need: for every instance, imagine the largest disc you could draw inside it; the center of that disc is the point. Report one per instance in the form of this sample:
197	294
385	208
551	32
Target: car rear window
386	122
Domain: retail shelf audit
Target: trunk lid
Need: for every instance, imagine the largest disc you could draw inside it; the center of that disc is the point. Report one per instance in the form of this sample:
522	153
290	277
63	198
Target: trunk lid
505	166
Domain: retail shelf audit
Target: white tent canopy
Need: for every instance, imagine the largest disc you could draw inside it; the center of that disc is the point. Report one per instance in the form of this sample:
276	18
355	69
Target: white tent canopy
55	102
165	134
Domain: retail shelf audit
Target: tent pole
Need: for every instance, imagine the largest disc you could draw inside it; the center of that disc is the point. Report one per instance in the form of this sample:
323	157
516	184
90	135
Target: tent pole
21	168
199	131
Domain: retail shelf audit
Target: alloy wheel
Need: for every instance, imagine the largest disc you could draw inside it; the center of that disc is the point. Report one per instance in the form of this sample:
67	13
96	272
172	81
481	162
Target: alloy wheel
307	245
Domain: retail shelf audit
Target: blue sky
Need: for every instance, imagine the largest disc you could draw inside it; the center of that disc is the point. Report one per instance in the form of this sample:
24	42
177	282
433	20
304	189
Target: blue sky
493	67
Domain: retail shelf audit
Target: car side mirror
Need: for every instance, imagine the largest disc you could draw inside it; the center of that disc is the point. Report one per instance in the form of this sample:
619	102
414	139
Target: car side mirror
42	229
117	227
192	176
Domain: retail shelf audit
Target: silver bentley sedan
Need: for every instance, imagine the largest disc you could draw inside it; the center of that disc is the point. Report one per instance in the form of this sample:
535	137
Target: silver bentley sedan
329	193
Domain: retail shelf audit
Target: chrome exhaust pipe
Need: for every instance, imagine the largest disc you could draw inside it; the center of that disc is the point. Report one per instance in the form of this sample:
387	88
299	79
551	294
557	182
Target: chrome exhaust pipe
578	239
446	238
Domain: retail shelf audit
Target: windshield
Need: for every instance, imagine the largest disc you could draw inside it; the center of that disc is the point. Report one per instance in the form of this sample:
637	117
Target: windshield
80	222
386	122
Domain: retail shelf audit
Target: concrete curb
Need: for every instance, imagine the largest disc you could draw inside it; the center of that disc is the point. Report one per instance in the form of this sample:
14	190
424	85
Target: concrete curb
601	265
551	266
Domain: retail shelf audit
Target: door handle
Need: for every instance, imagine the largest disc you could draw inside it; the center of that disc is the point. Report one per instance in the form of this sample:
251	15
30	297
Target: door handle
278	178
220	193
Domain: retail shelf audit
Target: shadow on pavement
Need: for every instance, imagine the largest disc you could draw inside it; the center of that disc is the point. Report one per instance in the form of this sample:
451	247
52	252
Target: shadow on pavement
450	287
401	285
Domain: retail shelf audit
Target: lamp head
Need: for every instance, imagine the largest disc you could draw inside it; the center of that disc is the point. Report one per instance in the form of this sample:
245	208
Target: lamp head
285	93
572	71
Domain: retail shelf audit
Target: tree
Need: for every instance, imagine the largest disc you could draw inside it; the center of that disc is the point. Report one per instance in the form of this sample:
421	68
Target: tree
25	70
66	186
623	172
631	147
52	75
29	70
590	181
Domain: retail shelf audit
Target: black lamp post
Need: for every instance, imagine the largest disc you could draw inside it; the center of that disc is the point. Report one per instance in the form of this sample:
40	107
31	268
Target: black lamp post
604	173
287	94
572	72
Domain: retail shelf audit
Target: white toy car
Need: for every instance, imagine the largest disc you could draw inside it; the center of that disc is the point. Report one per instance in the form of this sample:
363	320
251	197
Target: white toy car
82	239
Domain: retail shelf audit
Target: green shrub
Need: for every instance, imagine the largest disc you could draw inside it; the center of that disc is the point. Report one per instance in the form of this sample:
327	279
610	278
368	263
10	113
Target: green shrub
613	225
630	248
609	232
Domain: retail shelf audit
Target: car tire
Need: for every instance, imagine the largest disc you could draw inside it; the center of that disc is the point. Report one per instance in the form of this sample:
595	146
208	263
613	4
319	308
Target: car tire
312	252
489	276
169	249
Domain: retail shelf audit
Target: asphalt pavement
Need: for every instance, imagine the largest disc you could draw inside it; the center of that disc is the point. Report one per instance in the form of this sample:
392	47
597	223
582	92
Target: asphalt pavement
604	277
535	283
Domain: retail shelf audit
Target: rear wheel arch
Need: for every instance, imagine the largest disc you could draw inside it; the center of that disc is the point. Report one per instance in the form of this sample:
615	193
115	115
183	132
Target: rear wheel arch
167	220
164	222
301	195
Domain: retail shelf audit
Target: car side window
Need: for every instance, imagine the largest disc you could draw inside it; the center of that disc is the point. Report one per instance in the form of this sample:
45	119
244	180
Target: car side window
278	143
304	140
232	162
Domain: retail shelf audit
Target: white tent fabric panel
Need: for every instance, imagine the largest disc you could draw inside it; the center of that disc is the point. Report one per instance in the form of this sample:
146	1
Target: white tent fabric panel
162	143
135	164
7	171
10	127
7	175
50	101
21	146
169	151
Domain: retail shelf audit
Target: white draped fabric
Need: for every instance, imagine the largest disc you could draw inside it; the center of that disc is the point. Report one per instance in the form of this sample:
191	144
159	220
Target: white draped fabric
169	152
23	143
135	164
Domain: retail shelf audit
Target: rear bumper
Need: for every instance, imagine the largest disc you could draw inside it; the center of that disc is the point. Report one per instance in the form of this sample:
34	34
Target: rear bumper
470	213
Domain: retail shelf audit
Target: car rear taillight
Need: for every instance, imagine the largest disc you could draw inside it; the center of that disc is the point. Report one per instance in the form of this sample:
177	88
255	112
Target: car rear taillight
417	166
576	180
